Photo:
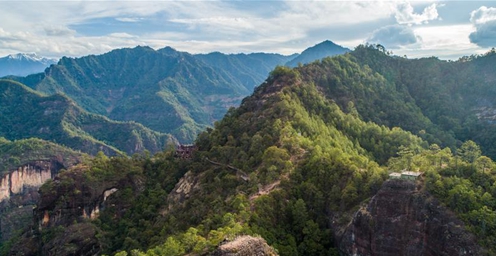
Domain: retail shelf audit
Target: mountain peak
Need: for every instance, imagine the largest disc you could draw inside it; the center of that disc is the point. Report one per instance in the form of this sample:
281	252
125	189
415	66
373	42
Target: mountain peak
326	43
321	50
169	51
22	64
28	56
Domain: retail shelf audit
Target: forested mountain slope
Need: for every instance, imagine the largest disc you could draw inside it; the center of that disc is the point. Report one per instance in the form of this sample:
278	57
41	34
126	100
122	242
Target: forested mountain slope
165	90
441	101
297	164
22	152
25	113
281	165
246	69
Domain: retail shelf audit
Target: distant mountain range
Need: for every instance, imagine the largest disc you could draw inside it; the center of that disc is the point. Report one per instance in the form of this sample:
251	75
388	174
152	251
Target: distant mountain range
165	90
23	64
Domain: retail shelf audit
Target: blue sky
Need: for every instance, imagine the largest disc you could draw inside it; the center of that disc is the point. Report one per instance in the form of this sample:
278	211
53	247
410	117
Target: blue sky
448	29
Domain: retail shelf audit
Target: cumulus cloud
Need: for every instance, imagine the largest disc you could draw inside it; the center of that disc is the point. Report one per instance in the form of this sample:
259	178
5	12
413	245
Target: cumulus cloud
76	28
483	15
394	36
484	20
405	14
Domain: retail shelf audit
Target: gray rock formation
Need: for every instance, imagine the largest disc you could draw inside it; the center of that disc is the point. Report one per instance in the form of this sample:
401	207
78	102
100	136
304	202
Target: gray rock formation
403	220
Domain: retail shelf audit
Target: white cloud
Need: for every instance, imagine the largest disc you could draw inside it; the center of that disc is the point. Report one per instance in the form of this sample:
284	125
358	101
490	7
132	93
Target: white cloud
394	36
219	22
58	31
126	19
122	35
483	15
484	21
405	14
56	28
446	42
213	23
454	36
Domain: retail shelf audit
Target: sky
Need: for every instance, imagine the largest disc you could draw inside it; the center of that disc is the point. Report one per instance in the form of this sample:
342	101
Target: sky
446	29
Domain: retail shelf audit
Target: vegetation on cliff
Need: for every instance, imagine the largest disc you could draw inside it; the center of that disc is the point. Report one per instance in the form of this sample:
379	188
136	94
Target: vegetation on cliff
464	181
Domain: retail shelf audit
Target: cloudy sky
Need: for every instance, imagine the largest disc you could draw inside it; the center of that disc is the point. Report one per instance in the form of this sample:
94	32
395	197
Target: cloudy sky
448	29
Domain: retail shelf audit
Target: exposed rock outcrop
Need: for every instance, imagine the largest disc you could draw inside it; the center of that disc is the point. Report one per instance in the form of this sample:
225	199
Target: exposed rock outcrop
30	175
182	191
245	246
19	193
85	202
401	220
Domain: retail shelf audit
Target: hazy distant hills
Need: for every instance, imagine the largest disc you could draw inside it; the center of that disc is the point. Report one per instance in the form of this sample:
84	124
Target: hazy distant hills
317	52
25	113
23	64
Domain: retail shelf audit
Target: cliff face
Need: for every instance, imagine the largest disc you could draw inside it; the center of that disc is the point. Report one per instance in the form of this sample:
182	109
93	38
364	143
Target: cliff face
83	203
65	206
19	193
25	178
401	220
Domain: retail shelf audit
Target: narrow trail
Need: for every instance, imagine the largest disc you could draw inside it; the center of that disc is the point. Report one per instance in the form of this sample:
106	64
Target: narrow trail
239	172
264	190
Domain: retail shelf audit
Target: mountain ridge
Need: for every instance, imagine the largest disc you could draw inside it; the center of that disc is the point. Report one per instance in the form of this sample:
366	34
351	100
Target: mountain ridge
166	80
185	92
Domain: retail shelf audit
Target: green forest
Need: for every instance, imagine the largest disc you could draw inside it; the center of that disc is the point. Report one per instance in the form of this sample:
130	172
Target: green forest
26	113
291	164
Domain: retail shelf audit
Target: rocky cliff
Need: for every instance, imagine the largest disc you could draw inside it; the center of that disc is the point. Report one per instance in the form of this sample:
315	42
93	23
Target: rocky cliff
64	210
62	204
401	219
25	178
19	193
